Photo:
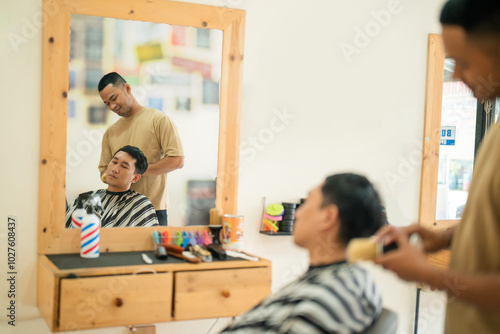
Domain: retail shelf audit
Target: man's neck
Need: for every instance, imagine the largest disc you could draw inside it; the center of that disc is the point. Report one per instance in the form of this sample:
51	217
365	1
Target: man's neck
321	256
117	190
136	107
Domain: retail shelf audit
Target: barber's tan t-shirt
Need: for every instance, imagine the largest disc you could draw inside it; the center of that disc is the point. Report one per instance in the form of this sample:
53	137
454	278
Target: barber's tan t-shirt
476	242
156	135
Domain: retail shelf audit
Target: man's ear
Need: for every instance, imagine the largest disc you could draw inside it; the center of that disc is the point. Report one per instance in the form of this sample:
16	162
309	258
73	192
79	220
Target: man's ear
127	88
136	178
332	216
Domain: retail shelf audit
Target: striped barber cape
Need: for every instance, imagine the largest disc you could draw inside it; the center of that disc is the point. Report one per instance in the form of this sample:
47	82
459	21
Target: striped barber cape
120	209
334	298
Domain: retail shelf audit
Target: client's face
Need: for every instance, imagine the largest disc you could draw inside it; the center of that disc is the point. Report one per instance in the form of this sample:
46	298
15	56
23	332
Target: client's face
308	219
120	173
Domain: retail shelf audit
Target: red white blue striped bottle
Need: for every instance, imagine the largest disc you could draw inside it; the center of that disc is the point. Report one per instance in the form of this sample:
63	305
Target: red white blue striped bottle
78	214
89	237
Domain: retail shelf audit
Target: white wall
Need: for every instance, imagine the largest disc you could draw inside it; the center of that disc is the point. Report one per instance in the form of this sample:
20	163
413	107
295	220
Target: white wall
364	115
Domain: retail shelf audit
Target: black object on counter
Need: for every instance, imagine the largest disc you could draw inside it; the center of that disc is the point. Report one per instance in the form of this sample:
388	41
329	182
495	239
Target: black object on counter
217	251
215	229
161	253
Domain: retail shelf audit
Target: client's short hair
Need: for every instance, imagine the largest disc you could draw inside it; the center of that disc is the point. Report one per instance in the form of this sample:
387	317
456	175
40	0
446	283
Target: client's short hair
358	203
141	162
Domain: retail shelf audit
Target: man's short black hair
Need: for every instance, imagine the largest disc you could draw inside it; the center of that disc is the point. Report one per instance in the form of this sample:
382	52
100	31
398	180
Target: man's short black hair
477	17
111	78
358	203
141	162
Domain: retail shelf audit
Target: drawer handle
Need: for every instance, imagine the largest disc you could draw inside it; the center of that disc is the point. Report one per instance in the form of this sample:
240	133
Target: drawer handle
119	302
226	293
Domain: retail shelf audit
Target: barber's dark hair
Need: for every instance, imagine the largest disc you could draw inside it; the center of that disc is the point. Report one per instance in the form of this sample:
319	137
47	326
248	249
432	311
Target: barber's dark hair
141	162
477	17
111	78
358	203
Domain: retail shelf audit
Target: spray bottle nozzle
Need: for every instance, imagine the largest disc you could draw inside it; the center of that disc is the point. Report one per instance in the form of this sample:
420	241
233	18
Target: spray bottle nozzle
81	202
93	201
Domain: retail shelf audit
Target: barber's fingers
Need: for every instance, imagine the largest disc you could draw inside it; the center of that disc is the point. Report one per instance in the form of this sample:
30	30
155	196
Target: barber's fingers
386	259
388	233
384	232
410	229
401	237
391	258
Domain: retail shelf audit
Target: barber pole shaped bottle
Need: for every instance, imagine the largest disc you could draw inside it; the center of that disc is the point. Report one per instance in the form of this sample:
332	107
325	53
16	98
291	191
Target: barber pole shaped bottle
89	240
78	215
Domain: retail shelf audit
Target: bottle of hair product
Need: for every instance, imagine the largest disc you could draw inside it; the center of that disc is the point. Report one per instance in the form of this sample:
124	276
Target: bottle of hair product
78	214
89	240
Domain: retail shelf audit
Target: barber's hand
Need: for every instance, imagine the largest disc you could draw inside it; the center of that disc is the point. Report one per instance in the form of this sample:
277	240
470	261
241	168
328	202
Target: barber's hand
407	261
432	241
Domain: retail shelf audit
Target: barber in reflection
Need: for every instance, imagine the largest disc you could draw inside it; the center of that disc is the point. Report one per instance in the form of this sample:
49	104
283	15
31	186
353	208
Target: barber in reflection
121	206
150	130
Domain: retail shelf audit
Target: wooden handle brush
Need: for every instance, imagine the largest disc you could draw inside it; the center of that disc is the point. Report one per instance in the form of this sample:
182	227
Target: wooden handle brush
368	249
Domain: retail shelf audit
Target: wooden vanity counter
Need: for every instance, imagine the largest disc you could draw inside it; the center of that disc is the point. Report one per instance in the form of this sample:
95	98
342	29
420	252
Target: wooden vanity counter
119	289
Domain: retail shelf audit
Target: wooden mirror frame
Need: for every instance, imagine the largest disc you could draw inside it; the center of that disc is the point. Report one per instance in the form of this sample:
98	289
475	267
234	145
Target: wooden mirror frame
432	130
431	145
53	237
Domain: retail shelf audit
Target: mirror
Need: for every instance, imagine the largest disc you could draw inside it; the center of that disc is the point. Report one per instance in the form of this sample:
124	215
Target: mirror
456	151
453	130
53	237
455	124
171	68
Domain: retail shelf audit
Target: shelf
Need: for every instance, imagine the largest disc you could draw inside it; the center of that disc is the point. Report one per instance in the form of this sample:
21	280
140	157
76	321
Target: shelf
276	233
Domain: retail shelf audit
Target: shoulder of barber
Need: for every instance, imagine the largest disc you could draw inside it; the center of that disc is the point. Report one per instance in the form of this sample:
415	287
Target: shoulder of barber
119	99
477	57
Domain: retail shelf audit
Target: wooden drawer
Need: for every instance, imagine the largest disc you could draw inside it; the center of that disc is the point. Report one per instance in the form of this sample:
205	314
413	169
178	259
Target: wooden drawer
219	293
115	300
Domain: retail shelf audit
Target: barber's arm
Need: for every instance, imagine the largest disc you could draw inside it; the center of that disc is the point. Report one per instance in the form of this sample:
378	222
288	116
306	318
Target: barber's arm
171	146
480	289
433	241
164	166
409	263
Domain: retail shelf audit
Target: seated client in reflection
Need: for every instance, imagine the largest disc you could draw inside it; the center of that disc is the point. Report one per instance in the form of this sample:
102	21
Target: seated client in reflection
333	296
122	206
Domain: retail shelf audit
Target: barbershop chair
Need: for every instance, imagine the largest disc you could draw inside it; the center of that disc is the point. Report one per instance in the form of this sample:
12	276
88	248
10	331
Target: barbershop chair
387	323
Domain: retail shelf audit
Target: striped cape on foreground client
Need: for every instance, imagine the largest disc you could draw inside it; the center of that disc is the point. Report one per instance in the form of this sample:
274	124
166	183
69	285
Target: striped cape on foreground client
333	296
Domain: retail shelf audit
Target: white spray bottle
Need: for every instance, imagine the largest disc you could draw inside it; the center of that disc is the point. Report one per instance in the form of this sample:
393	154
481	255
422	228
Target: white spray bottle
78	214
89	240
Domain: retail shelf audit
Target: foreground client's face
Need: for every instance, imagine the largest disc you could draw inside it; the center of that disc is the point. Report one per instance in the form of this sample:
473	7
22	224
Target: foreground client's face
308	216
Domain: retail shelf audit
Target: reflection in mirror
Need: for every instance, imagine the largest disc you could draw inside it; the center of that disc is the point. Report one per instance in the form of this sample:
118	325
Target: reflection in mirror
174	69
456	151
497	109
